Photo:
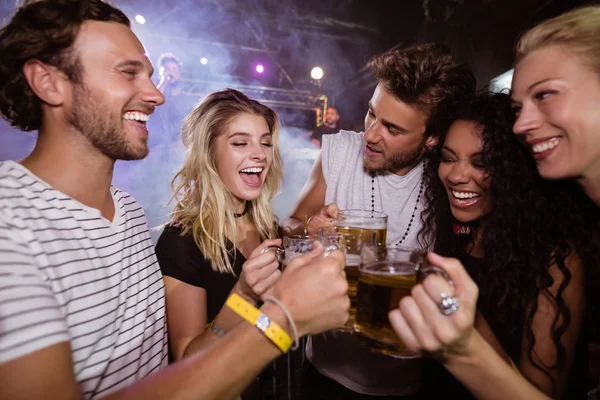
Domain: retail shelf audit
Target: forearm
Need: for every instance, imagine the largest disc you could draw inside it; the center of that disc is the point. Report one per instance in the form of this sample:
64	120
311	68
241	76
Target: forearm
221	372
227	320
487	375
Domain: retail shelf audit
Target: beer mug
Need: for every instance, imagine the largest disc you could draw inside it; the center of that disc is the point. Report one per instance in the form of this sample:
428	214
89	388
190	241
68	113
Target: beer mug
295	245
351	244
385	277
354	220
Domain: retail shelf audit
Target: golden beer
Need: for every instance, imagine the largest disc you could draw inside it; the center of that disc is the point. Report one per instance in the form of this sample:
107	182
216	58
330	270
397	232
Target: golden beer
355	220
381	286
352	265
380	234
351	242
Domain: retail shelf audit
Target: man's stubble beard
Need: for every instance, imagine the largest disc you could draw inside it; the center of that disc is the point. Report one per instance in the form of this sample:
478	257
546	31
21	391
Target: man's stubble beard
398	161
105	131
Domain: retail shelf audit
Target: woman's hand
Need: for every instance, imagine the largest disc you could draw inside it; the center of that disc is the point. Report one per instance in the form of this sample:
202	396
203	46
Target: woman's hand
259	272
420	323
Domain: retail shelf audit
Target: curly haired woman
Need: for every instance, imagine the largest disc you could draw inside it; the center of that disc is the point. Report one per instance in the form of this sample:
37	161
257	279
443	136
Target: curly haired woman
523	240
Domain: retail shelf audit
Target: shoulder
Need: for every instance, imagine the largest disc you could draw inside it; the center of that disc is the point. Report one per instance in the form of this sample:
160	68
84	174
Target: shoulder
125	200
339	149
342	139
16	185
179	256
173	239
25	201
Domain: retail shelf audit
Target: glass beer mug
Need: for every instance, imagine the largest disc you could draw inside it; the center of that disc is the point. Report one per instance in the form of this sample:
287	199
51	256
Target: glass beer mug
385	277
295	245
351	244
356	220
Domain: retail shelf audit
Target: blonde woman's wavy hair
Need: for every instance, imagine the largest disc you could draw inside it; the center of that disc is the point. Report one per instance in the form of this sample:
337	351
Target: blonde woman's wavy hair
577	31
204	205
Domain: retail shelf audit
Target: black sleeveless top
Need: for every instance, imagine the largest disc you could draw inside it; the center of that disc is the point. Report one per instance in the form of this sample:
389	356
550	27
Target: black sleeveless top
180	258
438	383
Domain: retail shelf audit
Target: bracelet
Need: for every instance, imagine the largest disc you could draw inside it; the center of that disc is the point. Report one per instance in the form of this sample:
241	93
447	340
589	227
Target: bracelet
217	330
251	314
306	222
289	317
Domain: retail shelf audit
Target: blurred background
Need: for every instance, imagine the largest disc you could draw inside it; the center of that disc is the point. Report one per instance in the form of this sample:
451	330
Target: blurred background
300	57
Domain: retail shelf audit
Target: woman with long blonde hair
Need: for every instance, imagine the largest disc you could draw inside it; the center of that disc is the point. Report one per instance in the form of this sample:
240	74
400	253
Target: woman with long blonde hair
222	224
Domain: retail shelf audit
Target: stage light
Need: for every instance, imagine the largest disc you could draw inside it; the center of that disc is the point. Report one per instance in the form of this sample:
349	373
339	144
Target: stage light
316	73
260	69
204	61
140	19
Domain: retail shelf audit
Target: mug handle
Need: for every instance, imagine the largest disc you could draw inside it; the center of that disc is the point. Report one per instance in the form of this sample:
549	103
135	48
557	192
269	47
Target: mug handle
424	270
275	249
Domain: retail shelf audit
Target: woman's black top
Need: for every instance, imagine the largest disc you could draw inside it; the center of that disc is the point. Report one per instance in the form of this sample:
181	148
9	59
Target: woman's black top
180	258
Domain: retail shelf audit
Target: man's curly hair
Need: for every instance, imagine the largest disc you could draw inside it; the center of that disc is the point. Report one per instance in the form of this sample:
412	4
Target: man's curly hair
425	76
46	31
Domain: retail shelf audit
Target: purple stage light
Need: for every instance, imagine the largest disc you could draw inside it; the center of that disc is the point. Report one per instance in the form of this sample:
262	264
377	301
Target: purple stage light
260	69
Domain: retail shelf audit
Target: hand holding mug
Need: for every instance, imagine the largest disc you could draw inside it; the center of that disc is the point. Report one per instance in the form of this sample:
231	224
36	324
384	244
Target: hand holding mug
324	218
438	318
261	271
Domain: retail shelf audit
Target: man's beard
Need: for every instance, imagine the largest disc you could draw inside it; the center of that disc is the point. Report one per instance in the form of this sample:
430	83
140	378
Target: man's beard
398	161
105	131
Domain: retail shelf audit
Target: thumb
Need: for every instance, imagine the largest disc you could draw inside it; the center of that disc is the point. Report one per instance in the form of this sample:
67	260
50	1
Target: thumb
331	210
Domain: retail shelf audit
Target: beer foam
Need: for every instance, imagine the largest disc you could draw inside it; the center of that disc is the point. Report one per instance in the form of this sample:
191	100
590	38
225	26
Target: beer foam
362	224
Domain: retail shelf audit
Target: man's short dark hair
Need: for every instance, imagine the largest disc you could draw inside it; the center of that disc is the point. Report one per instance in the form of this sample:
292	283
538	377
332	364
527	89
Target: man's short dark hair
43	30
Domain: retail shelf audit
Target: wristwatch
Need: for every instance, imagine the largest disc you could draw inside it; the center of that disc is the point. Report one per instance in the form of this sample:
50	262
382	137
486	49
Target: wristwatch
269	328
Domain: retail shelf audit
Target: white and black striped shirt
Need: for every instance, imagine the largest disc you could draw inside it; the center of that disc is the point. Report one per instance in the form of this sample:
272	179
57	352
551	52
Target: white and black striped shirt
68	274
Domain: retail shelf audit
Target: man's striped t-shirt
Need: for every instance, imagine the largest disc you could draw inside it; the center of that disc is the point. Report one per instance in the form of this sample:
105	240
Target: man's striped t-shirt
68	274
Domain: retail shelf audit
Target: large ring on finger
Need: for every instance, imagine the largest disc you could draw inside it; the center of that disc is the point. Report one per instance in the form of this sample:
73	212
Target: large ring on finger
448	305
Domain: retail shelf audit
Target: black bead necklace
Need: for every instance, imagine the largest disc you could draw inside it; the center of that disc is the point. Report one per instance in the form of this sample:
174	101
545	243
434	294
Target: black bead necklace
412	217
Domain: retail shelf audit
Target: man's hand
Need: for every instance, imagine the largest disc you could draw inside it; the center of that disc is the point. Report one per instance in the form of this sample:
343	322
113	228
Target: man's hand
315	291
323	218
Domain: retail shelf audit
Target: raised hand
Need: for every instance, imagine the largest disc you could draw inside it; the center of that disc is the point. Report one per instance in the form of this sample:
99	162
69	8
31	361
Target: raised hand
260	272
322	219
420	321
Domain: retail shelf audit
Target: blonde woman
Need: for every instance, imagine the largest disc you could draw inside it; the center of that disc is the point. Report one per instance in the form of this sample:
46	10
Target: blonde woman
556	97
212	244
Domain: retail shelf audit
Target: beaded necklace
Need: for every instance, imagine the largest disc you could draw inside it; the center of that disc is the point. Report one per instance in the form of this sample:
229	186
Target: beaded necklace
412	217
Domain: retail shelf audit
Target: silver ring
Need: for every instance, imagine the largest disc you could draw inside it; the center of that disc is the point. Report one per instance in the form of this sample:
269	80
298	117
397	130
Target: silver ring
449	304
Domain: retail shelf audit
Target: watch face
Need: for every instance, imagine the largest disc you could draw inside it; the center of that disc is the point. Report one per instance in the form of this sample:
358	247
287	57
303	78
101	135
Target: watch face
263	322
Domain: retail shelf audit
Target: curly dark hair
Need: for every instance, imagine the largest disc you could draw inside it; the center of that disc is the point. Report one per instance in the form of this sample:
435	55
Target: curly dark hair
532	225
46	31
425	76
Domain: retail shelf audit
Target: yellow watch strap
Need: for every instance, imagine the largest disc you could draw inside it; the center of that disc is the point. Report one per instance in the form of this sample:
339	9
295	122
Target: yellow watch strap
269	328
